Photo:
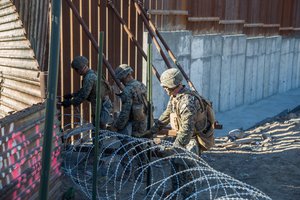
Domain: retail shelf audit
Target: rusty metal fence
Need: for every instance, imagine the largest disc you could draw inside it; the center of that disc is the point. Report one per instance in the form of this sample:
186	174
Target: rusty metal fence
118	47
251	17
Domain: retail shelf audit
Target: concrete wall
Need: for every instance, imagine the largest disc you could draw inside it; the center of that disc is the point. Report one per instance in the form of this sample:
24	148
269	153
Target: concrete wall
231	70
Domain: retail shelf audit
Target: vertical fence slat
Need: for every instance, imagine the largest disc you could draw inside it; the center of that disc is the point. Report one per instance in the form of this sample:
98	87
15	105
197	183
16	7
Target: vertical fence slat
124	35
65	69
75	32
131	47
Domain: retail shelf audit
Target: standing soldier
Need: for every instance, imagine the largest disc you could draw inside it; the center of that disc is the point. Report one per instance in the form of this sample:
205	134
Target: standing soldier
190	115
133	116
88	92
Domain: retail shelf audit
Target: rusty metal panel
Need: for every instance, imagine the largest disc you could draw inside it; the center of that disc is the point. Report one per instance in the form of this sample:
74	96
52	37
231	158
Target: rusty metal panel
19	69
296	18
252	17
21	136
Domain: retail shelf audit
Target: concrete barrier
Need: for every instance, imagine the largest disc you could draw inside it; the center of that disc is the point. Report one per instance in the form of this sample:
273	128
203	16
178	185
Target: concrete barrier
232	70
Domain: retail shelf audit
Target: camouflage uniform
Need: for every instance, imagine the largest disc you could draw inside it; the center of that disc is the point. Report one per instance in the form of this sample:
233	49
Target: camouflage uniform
88	92
133	95
185	106
185	113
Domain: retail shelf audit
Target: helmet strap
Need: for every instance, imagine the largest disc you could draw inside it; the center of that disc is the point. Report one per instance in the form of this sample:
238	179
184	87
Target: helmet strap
83	70
127	79
176	90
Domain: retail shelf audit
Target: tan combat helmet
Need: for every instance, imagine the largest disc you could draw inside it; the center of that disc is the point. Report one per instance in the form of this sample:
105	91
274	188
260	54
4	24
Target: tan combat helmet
171	78
122	71
79	62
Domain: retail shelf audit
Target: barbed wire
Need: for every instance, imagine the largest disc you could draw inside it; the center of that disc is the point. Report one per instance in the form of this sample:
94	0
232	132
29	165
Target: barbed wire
124	164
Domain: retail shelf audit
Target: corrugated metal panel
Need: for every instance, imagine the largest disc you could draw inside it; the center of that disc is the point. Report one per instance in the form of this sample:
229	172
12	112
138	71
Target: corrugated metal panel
34	15
19	69
21	136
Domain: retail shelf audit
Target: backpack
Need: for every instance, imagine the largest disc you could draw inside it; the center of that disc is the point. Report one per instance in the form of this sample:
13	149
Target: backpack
205	123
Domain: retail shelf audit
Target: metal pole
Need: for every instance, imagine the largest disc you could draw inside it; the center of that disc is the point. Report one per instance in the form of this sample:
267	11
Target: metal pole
131	36
149	96
98	110
51	98
151	26
94	42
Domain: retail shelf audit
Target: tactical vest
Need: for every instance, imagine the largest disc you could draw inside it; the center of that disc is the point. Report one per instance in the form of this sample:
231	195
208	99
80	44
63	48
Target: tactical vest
139	104
205	119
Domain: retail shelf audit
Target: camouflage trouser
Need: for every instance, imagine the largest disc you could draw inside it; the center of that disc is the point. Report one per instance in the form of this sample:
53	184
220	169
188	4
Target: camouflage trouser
127	130
179	165
105	114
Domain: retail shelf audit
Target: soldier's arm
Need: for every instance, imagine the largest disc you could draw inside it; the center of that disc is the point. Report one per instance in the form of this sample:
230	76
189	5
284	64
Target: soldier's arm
84	92
123	118
187	111
163	120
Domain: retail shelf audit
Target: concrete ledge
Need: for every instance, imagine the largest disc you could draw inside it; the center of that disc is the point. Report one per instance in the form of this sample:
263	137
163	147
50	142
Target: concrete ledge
248	115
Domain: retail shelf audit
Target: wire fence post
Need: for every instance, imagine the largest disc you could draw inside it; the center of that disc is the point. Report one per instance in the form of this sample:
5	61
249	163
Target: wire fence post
51	98
98	111
149	96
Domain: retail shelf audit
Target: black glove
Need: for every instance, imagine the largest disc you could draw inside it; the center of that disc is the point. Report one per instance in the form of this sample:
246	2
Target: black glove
66	103
68	96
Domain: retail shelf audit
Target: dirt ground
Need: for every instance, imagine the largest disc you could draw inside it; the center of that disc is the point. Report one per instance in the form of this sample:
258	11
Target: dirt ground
268	160
266	157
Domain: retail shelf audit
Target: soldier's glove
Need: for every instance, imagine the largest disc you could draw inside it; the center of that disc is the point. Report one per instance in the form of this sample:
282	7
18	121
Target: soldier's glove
112	128
164	151
177	144
147	134
157	140
68	96
66	103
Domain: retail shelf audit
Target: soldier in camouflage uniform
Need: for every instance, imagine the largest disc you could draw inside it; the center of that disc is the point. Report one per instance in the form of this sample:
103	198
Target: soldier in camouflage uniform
133	116
88	92
187	113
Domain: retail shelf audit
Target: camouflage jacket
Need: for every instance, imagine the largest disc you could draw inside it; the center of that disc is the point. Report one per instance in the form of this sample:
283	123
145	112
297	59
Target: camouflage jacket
185	106
133	93
88	91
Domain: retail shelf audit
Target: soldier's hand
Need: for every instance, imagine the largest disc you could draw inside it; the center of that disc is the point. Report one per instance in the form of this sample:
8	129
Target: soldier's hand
68	96
66	103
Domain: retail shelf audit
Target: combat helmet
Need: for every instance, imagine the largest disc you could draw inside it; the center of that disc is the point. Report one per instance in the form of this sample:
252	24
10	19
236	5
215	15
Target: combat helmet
171	78
122	71
79	62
